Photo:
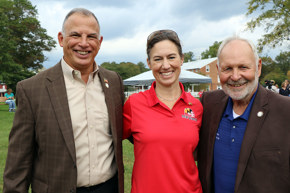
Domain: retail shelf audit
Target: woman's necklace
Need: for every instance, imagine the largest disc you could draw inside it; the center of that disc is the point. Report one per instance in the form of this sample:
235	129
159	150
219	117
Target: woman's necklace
167	99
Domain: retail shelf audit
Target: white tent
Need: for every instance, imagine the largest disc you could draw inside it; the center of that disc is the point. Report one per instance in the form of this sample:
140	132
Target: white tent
146	78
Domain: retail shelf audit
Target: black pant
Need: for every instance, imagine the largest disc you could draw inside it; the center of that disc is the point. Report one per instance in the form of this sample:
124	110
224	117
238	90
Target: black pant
110	186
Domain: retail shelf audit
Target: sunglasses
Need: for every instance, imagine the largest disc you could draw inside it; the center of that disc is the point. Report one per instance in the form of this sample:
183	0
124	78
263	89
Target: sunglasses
166	32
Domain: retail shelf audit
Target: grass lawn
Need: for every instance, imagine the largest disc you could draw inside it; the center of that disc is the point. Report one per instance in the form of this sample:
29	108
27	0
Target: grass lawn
6	119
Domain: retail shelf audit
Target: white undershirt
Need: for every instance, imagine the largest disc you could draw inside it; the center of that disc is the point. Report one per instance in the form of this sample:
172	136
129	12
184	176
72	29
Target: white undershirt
235	115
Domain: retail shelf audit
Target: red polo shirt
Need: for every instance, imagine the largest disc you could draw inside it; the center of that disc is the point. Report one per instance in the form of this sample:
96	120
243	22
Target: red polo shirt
164	142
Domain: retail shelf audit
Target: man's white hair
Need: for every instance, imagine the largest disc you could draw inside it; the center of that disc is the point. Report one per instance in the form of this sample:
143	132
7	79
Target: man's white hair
236	37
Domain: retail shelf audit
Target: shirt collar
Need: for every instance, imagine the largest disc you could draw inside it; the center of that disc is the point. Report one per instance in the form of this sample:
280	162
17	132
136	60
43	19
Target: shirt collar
229	109
153	99
73	74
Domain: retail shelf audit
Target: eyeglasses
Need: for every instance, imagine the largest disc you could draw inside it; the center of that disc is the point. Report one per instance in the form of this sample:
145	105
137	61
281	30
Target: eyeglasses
166	32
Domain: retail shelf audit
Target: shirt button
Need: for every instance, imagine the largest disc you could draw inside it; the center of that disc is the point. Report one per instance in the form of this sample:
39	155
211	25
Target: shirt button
233	140
234	126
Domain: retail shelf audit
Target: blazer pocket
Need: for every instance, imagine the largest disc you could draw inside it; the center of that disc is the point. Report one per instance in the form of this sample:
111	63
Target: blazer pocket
269	155
39	187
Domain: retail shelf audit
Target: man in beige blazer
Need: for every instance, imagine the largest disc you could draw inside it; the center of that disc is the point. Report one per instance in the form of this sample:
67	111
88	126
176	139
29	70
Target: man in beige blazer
244	140
67	131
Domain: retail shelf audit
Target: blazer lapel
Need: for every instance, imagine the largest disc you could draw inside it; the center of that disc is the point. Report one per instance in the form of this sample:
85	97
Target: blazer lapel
256	118
214	106
220	106
58	97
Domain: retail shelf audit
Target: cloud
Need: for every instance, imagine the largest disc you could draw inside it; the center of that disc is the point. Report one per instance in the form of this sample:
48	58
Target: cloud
126	24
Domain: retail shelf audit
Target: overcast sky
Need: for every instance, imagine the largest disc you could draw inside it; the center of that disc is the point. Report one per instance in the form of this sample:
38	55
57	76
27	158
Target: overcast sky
125	24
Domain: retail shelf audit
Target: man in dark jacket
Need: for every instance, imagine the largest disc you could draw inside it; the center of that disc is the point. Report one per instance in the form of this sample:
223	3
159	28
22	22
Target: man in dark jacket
244	140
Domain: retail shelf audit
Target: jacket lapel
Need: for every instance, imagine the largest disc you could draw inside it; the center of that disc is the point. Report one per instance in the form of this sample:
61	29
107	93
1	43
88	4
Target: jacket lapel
58	97
214	106
256	118
219	107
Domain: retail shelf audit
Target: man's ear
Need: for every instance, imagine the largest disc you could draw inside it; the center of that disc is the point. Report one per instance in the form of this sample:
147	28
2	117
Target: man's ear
259	67
217	67
101	40
60	39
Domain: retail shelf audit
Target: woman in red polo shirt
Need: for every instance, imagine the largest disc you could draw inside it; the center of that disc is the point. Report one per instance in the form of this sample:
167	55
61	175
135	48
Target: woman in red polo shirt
164	122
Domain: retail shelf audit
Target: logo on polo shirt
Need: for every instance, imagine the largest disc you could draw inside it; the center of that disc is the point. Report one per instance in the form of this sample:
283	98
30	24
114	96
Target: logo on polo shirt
189	114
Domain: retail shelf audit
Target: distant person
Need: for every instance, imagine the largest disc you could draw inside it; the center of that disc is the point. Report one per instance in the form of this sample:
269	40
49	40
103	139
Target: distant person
283	90
270	85
244	139
287	86
200	93
164	122
67	131
10	100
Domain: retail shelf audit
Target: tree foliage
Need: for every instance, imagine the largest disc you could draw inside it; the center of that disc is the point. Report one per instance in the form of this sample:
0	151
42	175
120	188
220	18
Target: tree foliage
268	65
22	41
275	69
278	77
274	19
125	69
283	61
188	56
211	52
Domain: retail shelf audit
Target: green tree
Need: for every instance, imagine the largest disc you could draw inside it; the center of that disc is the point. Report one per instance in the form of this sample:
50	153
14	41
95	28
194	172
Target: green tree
125	69
142	67
275	69
212	51
110	66
188	56
283	61
274	17
22	41
128	69
277	76
268	65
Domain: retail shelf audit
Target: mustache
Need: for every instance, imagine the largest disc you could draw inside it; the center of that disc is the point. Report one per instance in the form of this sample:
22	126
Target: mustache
239	82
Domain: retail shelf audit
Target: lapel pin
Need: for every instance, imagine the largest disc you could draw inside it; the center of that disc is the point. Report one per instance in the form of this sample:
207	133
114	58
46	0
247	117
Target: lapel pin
106	83
260	114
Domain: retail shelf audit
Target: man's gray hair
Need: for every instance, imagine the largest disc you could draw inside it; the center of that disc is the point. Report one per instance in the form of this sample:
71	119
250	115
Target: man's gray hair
228	40
82	11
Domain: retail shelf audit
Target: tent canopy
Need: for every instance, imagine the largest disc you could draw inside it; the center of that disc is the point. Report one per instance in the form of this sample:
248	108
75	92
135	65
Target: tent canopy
146	78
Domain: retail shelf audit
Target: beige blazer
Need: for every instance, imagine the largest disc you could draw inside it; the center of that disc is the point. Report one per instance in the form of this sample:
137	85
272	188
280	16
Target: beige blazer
41	148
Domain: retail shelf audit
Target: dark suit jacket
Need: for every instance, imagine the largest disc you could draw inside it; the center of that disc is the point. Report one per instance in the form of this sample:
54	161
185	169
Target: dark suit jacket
264	158
41	148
